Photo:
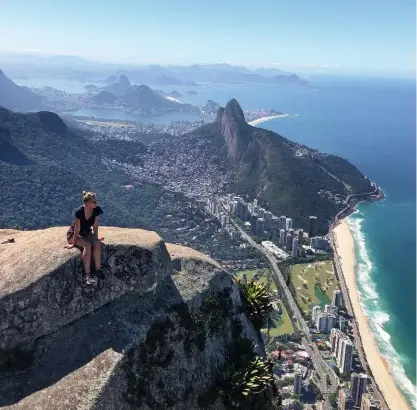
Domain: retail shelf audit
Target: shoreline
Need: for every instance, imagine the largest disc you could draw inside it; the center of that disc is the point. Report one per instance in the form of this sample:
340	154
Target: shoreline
267	118
345	251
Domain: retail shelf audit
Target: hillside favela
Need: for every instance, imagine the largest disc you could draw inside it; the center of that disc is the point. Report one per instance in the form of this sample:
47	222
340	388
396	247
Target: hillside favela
207	205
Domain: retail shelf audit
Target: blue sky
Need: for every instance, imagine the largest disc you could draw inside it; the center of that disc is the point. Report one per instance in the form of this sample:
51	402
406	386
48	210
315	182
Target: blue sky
356	36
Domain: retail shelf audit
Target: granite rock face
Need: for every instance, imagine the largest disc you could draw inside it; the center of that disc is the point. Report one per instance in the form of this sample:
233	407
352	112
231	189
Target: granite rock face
41	286
234	129
152	335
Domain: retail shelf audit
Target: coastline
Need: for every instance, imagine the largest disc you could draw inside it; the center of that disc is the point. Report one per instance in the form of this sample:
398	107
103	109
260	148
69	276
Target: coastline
267	118
344	247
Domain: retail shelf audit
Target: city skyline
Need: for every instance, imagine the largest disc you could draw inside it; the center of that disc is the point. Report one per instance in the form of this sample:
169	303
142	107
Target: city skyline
338	38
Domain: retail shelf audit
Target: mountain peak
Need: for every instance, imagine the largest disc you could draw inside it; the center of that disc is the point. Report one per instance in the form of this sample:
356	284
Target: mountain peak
123	80
235	131
234	110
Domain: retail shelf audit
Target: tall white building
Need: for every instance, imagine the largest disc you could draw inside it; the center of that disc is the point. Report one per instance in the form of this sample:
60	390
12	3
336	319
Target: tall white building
288	242
282	237
298	380
335	335
294	252
260	226
346	355
339	348
300	235
283	222
337	298
288	223
255	202
358	385
315	311
342	323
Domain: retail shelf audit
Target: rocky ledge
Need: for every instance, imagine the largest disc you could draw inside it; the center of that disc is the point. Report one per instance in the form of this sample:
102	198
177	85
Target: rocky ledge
152	335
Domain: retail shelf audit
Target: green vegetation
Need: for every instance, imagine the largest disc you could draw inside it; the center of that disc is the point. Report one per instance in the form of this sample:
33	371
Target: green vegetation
279	320
313	284
282	325
289	184
268	168
246	377
256	300
50	165
333	400
260	275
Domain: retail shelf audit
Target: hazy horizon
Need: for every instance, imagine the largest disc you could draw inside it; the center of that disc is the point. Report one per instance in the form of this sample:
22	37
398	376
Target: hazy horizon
355	38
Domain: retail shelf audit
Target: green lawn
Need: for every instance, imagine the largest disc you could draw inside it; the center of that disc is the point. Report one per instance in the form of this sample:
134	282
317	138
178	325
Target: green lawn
308	292
282	325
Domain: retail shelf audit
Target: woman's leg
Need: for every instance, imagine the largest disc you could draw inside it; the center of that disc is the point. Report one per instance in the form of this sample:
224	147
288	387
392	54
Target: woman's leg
96	245
97	253
86	253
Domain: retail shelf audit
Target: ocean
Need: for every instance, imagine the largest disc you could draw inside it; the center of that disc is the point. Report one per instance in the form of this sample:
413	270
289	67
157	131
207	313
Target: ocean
372	123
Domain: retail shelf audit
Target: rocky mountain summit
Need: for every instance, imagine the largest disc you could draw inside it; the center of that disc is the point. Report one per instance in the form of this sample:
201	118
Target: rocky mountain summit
152	335
286	177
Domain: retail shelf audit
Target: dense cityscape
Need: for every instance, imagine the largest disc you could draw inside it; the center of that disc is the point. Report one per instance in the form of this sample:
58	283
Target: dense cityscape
330	328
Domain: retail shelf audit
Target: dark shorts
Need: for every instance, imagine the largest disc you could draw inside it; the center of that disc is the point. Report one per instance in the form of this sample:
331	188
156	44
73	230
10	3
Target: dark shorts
89	236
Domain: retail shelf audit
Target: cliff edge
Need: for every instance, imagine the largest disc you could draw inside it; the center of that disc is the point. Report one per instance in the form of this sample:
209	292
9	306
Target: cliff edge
152	335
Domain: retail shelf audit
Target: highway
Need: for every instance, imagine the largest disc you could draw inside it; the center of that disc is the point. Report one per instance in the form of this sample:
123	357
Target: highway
356	335
322	368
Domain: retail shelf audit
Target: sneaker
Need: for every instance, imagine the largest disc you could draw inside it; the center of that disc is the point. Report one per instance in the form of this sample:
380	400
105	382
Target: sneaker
90	280
100	275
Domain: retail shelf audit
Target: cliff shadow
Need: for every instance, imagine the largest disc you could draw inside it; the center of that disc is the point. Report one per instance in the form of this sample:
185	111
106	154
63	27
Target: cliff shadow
115	326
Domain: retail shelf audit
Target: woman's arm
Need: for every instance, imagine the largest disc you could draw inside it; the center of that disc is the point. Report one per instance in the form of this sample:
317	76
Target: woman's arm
76	231
95	227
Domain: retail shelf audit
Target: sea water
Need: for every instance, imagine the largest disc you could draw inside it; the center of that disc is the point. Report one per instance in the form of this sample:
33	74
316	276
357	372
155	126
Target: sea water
371	123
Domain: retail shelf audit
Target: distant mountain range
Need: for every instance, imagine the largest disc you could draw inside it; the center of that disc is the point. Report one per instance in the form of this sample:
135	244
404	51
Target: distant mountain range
213	74
18	98
27	66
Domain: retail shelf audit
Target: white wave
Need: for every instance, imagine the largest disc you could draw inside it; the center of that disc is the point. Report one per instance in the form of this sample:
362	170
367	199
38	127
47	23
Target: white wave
372	308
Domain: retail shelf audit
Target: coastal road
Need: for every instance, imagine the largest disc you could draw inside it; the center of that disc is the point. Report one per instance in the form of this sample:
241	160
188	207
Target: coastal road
356	335
323	369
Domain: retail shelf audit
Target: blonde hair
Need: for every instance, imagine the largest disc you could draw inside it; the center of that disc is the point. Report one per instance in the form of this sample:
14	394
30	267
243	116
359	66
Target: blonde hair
88	196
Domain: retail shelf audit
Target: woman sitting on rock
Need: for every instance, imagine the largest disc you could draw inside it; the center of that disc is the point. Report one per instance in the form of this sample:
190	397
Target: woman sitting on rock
81	235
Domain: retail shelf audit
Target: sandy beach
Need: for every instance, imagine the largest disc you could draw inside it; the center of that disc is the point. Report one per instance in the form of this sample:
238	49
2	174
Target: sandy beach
378	364
263	119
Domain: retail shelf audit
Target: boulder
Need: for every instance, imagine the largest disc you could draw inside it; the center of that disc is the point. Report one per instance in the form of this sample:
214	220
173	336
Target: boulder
153	335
